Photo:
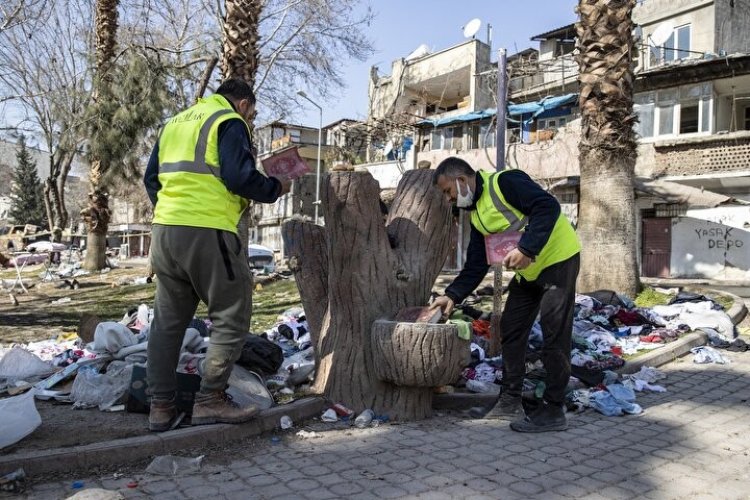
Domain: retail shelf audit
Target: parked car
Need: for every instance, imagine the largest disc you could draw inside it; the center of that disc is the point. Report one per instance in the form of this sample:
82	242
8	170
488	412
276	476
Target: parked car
261	258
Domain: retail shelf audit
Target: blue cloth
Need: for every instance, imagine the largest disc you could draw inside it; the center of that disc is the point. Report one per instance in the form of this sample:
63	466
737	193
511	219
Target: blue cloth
615	401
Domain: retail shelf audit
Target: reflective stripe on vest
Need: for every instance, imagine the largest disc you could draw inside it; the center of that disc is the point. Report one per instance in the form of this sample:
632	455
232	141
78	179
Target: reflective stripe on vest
516	224
198	165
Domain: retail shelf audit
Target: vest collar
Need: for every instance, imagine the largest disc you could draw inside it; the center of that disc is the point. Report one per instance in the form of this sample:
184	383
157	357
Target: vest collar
218	99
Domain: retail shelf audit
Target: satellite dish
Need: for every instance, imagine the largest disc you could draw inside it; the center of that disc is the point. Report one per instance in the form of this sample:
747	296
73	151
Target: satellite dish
661	34
420	51
472	27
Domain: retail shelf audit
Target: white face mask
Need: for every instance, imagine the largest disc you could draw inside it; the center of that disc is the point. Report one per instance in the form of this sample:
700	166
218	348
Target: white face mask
463	200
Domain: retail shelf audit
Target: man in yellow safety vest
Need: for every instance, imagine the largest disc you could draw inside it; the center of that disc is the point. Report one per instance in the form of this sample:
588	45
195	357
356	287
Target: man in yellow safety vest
546	261
199	177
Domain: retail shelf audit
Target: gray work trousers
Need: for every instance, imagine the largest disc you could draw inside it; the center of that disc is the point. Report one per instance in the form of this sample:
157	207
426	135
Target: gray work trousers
193	264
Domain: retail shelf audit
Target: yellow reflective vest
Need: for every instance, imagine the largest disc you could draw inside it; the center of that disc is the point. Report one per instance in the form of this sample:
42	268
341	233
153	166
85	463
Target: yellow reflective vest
493	214
192	192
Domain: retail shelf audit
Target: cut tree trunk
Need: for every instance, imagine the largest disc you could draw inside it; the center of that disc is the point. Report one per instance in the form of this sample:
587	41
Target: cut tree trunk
96	216
356	270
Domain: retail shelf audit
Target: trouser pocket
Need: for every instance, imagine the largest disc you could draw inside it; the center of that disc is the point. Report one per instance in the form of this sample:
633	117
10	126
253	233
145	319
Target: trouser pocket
224	251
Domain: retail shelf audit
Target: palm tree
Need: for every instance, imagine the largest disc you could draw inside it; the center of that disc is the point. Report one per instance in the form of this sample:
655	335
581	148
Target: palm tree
97	215
608	149
240	60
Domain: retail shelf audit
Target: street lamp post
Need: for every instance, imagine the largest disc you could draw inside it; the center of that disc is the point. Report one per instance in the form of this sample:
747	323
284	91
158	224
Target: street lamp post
302	94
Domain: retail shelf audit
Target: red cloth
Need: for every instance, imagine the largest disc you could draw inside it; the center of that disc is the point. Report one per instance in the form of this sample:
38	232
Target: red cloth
481	328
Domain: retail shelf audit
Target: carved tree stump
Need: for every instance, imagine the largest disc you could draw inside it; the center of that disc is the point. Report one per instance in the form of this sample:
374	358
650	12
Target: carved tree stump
418	354
358	269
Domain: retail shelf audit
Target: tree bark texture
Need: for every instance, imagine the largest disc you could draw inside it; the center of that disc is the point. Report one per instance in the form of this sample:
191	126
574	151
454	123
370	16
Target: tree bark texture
607	151
356	270
418	354
239	59
97	215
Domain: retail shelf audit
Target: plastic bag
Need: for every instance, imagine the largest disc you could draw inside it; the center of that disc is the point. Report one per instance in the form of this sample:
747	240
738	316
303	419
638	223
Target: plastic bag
247	388
20	364
19	418
169	465
101	389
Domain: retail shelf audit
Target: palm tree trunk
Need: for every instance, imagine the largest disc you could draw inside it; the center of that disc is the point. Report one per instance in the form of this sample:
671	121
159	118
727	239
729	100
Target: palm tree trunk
240	60
96	215
607	151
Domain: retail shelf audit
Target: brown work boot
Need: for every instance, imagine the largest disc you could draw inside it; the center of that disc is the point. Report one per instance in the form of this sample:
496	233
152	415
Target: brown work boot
162	415
507	407
217	407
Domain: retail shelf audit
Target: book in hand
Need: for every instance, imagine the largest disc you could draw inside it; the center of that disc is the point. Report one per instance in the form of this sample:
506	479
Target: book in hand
499	245
419	315
286	164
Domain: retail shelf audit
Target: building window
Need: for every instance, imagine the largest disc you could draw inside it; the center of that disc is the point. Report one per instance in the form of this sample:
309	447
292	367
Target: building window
683	110
436	140
480	137
454	138
294	135
747	118
474	136
689	112
487	133
676	47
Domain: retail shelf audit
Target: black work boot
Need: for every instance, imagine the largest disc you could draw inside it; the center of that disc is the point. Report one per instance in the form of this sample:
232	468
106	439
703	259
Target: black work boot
548	417
217	407
162	415
507	407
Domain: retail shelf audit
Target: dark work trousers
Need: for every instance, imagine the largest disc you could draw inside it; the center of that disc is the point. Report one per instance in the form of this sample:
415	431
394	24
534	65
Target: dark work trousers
553	295
193	264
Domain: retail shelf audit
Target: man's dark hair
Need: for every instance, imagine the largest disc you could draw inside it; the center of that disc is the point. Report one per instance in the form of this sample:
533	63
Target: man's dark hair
452	167
235	89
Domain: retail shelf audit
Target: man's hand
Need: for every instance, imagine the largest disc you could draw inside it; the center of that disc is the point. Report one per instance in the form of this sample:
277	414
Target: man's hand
444	303
286	186
516	260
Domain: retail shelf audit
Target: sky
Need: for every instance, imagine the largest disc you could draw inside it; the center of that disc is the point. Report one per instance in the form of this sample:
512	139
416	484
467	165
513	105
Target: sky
400	26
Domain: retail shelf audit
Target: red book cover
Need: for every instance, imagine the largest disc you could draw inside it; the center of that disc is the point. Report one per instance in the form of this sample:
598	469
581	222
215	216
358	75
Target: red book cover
498	245
285	165
418	315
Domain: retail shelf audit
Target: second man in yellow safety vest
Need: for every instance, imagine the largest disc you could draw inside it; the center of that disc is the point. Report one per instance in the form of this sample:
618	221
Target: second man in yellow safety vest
546	261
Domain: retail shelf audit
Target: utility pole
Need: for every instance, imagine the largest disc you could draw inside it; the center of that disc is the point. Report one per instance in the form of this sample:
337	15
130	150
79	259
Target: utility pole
502	101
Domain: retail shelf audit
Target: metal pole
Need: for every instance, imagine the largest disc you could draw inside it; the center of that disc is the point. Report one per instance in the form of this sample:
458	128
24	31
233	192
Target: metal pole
317	168
302	94
502	97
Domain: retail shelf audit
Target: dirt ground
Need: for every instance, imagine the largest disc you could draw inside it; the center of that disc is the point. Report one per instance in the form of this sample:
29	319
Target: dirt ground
109	296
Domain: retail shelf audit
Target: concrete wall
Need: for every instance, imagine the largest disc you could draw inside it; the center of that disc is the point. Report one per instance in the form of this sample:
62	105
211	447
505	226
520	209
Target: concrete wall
706	249
698	13
732	26
442	62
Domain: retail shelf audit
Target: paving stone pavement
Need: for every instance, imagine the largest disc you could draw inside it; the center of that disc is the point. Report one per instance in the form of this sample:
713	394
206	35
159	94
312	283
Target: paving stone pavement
691	442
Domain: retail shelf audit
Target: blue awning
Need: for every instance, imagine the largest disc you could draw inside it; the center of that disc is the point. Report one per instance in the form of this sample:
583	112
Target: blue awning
537	108
528	111
468	117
